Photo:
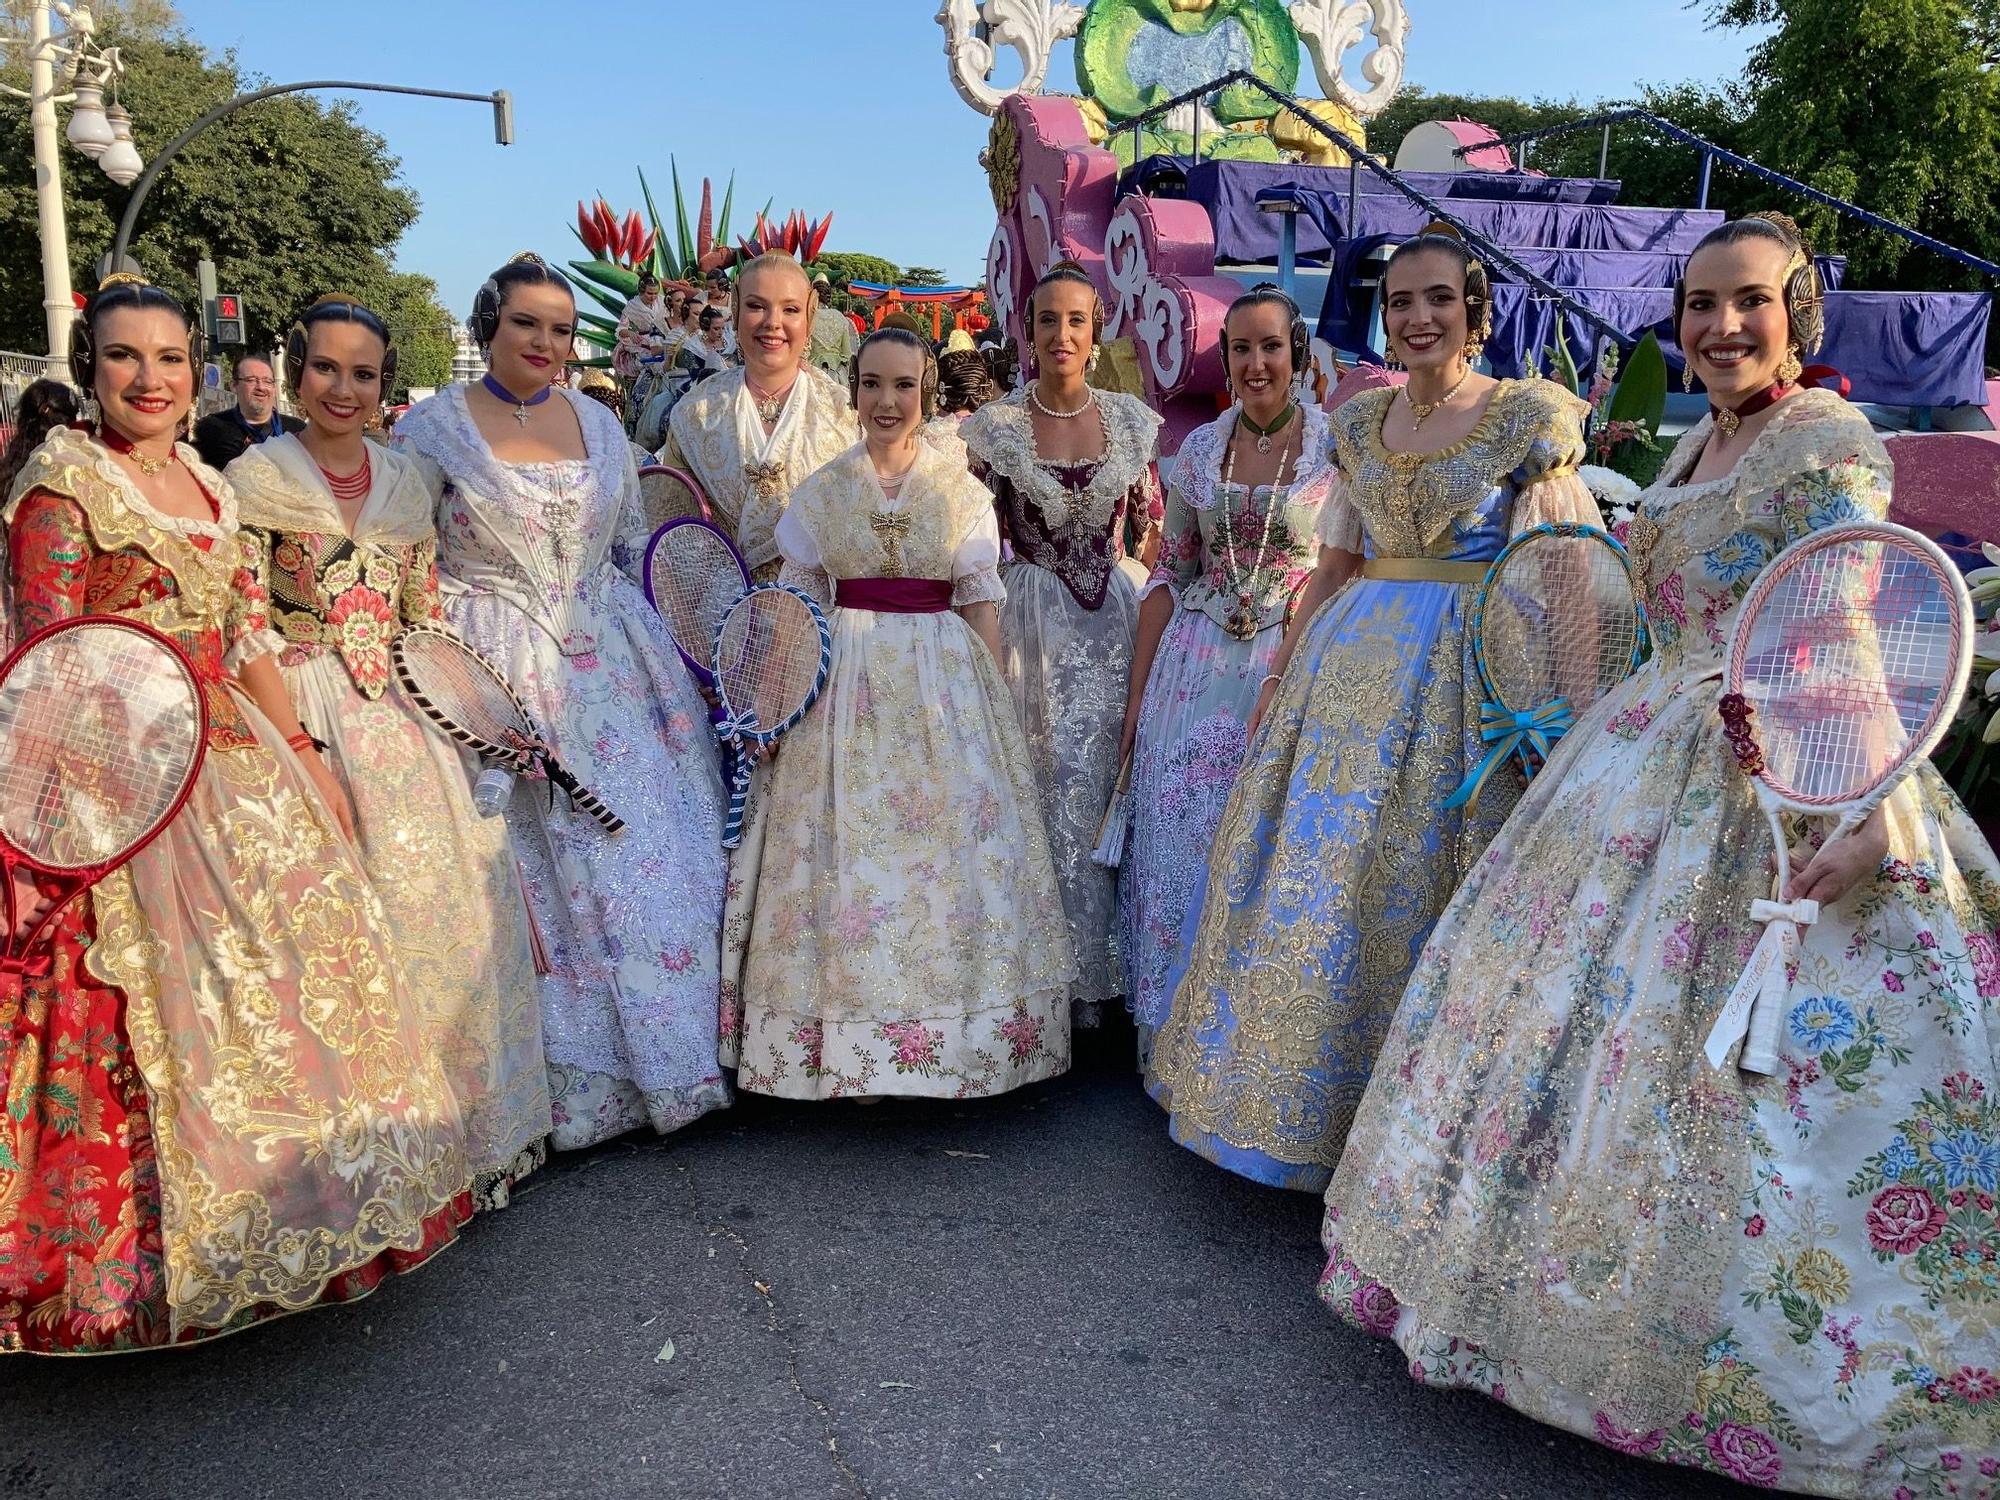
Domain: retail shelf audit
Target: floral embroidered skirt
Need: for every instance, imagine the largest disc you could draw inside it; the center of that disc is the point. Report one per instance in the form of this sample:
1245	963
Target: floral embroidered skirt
1185	759
1334	856
1550	1196
909	934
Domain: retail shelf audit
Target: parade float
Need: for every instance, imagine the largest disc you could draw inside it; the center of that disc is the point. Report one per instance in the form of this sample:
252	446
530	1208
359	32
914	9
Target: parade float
1185	167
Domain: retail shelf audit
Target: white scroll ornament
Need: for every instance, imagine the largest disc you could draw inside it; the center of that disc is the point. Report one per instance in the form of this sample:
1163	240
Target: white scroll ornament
1333	28
975	32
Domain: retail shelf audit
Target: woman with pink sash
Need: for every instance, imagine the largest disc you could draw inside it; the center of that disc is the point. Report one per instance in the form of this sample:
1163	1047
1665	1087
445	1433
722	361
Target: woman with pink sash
909	935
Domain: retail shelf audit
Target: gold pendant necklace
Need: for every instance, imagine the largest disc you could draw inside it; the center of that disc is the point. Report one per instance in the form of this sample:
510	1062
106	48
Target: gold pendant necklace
1421	409
1265	434
769	408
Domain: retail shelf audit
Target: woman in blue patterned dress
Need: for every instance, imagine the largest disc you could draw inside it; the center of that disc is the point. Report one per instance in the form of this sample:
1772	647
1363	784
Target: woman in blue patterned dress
1238	550
1336	852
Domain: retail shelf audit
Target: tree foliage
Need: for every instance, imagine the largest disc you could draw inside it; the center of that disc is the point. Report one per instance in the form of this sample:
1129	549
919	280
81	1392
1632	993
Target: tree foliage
1892	104
290	197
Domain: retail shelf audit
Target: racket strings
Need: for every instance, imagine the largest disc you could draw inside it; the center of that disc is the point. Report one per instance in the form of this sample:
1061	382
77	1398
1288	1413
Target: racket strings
1559	621
1844	665
695	579
768	660
99	732
462	689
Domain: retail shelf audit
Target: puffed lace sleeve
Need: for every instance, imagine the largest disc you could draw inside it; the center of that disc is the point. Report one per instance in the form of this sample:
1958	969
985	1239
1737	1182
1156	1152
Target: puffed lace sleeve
800	567
1339	525
1549	486
975	566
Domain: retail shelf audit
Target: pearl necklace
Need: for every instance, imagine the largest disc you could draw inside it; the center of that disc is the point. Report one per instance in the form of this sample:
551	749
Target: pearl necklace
1421	409
1035	395
1242	624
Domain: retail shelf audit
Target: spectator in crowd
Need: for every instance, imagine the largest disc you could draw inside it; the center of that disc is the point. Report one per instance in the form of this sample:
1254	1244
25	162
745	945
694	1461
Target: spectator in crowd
44	406
221	436
833	337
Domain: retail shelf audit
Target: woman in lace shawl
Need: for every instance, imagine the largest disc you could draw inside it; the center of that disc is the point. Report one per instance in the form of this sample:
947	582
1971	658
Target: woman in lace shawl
344	531
220	1102
540	505
909	937
1336	852
1069	466
1550	1195
1238	549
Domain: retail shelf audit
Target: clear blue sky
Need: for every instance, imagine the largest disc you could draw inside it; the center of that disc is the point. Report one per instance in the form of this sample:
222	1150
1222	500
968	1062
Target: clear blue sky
861	120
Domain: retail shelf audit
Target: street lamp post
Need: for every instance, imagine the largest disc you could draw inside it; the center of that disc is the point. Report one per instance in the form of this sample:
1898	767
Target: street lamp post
501	101
92	131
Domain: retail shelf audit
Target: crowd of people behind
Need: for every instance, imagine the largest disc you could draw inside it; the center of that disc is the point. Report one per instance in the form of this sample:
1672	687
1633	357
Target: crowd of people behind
1089	746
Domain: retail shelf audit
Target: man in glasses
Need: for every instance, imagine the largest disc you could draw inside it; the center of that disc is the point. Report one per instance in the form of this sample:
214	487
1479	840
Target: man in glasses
223	435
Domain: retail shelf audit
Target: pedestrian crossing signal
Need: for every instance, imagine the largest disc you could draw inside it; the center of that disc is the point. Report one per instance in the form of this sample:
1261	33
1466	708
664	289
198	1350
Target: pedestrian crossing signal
227	320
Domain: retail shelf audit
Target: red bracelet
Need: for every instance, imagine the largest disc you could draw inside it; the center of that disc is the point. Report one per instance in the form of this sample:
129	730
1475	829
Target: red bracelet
301	742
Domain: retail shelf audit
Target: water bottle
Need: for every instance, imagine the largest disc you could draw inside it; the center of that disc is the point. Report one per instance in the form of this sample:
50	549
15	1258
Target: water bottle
491	791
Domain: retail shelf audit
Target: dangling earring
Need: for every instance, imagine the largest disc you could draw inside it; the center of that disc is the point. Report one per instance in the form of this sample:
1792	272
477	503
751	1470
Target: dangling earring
1090	364
1687	374
1790	368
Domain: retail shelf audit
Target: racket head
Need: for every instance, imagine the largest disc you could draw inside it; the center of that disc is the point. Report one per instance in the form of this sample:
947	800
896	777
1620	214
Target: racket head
103	730
1558	615
671	494
772	652
461	692
1851	650
692	574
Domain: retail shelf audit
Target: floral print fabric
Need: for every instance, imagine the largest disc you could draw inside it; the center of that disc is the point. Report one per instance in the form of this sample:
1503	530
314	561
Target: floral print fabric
1550	1196
909	936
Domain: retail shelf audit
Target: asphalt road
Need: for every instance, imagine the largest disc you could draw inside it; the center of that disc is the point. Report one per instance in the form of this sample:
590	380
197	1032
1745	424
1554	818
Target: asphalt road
1036	1296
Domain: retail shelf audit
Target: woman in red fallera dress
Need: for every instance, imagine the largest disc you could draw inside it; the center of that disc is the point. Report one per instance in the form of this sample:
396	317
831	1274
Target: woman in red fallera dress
217	1105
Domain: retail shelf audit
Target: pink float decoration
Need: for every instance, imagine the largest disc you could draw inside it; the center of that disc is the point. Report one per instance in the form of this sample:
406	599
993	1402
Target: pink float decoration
1152	260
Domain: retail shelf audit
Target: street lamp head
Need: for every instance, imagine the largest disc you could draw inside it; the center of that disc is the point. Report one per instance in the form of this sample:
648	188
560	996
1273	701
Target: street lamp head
90	130
122	162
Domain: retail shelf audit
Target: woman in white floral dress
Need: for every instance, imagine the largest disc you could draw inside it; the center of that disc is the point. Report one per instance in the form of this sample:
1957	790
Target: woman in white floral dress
909	935
1549	1195
539	509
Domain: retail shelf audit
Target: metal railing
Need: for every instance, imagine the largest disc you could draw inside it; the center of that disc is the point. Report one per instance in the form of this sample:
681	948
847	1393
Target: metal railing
17	372
1358	159
1712	153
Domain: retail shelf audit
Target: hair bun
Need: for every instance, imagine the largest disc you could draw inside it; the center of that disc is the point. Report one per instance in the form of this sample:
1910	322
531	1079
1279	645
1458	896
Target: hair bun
1443	227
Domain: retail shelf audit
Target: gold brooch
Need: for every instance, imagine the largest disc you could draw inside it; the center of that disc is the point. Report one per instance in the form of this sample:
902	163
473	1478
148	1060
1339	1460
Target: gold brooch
891	528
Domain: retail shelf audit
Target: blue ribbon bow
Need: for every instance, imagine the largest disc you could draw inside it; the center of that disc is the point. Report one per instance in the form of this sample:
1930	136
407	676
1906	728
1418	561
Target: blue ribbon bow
1528	735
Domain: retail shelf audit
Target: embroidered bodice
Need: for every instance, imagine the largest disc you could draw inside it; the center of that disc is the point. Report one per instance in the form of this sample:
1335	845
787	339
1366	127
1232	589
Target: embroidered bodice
851	529
1223	541
1454	503
330	591
1070	517
539	535
1817	463
747	474
84	539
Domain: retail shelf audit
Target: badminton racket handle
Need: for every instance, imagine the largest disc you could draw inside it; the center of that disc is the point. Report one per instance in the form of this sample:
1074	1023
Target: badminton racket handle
583	799
492	790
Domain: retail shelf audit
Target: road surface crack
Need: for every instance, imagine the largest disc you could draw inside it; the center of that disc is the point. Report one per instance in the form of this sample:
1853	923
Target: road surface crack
775	1325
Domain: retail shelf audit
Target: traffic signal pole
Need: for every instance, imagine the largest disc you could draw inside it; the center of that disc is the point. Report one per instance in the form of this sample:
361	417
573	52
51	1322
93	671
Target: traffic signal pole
500	100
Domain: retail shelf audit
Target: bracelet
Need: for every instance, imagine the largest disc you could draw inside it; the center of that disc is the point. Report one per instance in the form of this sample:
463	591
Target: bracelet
299	743
1271	678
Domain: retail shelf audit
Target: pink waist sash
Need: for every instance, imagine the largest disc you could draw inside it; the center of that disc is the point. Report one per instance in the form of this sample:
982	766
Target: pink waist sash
894	596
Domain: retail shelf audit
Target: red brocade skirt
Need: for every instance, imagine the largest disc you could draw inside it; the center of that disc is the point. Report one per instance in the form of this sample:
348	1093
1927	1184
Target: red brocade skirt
82	1269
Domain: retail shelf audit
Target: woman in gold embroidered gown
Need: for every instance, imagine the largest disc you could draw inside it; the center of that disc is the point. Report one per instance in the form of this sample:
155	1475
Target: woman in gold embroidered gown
1336	853
221	1104
1069	467
344	532
909	937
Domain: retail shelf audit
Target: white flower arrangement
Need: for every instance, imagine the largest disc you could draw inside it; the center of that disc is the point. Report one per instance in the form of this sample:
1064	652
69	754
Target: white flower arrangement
1617	495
